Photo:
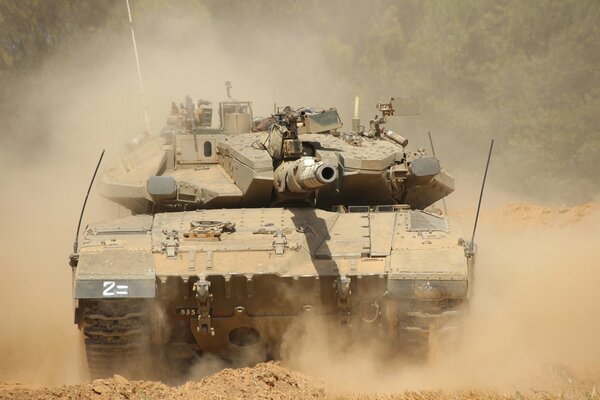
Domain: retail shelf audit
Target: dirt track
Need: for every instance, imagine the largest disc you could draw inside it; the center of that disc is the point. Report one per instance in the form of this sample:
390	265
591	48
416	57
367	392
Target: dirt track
533	333
270	381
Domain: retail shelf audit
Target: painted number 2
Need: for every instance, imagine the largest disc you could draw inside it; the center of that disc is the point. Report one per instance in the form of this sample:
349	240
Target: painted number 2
112	289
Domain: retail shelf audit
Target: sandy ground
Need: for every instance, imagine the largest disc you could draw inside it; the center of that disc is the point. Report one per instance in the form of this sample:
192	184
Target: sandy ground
268	381
533	332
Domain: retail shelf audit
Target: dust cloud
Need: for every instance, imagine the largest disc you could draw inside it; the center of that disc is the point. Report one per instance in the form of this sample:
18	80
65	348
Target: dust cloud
532	323
83	100
535	301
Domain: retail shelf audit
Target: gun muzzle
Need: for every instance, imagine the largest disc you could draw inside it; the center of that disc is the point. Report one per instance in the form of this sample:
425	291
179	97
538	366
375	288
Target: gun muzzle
304	175
315	176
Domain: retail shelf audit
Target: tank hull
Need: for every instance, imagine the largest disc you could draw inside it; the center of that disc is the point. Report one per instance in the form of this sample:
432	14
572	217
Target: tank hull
233	282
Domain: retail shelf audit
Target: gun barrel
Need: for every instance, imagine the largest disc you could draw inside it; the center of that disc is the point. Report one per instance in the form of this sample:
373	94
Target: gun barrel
304	175
314	176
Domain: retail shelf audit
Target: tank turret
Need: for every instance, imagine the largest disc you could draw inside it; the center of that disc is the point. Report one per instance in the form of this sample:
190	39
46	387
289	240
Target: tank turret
297	173
298	155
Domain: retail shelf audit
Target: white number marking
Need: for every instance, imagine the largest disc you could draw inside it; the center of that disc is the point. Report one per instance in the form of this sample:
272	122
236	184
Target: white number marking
108	287
112	289
123	289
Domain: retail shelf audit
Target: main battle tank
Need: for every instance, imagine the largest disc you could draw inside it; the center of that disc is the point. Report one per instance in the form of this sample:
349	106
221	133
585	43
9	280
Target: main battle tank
240	231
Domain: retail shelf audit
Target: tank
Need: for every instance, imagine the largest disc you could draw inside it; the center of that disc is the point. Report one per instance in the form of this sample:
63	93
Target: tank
239	231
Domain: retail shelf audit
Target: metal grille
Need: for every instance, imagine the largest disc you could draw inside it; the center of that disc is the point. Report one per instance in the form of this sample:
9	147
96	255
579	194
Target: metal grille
420	221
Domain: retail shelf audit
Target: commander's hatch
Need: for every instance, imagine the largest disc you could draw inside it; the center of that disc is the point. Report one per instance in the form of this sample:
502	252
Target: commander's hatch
324	121
236	116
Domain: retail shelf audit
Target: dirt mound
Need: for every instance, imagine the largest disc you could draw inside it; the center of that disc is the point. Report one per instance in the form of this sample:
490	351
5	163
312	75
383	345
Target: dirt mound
263	381
543	216
113	388
526	215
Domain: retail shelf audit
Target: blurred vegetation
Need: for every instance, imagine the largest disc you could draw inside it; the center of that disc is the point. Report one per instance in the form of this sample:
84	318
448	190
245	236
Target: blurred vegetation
524	72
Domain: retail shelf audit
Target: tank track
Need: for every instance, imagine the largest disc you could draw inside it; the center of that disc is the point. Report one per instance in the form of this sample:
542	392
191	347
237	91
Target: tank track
422	332
117	337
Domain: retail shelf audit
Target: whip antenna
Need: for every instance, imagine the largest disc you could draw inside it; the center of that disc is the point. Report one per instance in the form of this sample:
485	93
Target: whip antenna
76	244
481	196
139	71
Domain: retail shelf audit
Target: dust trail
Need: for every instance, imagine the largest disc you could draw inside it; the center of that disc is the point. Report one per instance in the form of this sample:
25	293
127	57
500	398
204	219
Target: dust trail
43	181
83	100
534	313
536	300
